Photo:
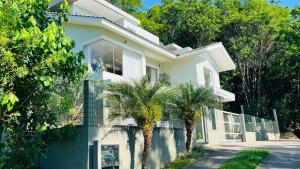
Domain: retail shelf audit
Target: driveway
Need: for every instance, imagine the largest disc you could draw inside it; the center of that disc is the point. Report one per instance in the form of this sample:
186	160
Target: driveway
285	154
278	146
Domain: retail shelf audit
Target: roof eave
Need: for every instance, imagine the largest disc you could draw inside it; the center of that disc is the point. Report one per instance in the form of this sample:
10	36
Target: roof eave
208	49
102	22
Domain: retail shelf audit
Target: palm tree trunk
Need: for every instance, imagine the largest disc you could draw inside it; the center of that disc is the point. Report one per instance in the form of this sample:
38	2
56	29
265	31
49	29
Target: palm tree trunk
189	129
148	133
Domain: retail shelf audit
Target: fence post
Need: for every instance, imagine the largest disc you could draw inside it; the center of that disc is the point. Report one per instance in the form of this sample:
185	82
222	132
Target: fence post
242	124
264	129
276	123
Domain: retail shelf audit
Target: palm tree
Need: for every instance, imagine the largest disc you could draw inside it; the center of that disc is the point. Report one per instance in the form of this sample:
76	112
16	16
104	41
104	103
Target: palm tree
140	100
190	104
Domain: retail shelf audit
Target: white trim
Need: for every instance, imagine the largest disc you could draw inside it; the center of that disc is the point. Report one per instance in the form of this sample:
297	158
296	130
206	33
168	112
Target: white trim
110	40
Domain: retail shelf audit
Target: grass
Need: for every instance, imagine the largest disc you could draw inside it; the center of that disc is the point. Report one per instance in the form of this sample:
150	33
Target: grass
247	159
185	160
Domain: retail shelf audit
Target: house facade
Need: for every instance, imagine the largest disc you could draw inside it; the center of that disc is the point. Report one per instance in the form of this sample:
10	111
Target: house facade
117	49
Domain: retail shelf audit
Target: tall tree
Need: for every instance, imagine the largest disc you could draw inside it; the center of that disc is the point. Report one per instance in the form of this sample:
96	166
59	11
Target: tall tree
188	23
251	35
140	100
191	103
261	37
34	54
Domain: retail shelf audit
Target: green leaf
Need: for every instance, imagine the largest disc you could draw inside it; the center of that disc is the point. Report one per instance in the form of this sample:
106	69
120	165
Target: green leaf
32	20
9	106
23	34
46	83
13	98
5	99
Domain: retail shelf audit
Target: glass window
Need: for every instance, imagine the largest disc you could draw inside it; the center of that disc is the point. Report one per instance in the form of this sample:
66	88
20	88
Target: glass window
226	117
236	118
232	126
213	119
249	123
227	128
152	74
229	137
207	77
106	57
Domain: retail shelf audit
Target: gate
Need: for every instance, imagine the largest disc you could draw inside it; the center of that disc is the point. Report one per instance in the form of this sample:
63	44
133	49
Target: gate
232	126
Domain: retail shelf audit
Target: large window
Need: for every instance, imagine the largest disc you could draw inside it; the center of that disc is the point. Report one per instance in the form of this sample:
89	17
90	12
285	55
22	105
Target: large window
232	126
107	57
152	73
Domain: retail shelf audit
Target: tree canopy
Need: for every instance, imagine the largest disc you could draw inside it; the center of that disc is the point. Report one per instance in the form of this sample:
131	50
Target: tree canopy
261	37
35	54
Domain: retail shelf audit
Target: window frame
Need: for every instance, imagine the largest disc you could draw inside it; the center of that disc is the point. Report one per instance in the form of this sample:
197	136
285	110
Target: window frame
155	67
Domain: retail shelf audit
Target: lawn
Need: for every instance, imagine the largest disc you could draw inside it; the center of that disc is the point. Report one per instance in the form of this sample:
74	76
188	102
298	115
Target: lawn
185	160
247	159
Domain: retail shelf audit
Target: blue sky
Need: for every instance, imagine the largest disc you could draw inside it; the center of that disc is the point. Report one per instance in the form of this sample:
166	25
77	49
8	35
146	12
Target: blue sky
287	3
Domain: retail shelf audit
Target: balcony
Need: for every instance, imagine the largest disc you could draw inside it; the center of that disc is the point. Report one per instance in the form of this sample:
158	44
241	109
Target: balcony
225	96
108	77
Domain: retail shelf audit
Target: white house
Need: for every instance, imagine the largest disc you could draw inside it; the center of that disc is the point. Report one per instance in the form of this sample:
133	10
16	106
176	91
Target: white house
118	49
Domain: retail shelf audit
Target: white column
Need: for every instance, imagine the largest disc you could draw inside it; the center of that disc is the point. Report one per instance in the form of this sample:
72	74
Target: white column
87	54
276	123
243	124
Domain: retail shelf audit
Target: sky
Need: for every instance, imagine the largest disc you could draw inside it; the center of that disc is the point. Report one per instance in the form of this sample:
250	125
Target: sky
286	3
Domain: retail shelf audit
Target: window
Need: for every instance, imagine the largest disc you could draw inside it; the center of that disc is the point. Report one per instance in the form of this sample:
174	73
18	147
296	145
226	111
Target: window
232	126
212	116
250	126
106	57
152	74
207	77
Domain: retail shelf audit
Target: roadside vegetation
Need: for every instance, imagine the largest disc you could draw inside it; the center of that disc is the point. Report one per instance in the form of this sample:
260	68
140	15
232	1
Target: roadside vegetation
182	161
247	159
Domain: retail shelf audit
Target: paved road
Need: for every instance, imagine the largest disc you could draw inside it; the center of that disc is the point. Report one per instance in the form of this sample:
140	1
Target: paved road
285	154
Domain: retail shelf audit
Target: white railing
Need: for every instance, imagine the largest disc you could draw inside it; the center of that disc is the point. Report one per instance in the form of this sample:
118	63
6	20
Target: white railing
138	30
111	77
108	77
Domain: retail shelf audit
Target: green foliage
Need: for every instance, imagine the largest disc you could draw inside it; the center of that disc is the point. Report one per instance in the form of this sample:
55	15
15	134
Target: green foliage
190	103
56	134
34	55
197	152
140	100
178	164
247	159
262	38
164	78
129	6
188	23
193	101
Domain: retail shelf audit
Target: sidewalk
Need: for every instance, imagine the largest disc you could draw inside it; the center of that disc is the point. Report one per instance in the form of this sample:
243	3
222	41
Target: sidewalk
281	161
213	160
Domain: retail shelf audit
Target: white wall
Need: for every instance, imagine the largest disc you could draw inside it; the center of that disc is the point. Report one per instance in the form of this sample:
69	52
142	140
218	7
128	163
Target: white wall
191	69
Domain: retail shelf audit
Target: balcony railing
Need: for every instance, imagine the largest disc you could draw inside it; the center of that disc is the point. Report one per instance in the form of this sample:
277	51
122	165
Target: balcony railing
108	77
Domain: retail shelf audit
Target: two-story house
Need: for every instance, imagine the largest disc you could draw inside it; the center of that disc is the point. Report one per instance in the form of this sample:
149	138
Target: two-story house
117	49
